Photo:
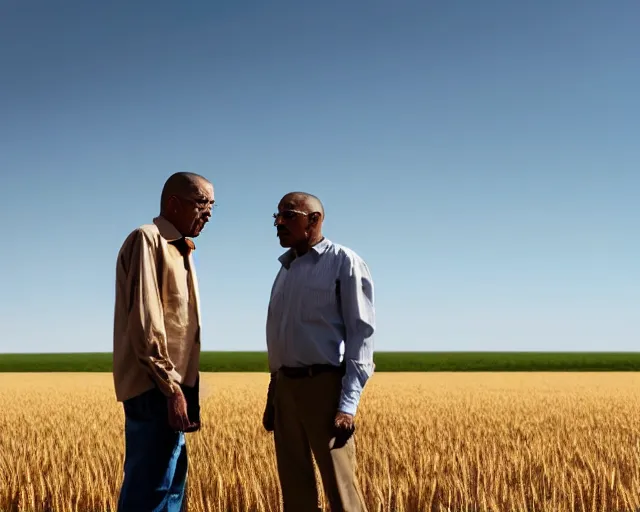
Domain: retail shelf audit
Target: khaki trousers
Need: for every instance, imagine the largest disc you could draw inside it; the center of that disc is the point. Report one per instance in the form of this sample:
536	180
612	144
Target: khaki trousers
305	409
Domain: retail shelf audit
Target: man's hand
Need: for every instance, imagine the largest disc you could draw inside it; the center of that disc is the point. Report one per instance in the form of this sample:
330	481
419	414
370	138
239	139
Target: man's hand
178	417
344	427
344	420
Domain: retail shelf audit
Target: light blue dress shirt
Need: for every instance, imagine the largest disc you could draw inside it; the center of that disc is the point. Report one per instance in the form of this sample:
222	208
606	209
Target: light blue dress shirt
322	311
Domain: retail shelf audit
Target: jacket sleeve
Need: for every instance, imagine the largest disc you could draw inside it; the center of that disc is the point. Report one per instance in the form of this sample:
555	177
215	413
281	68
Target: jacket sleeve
146	318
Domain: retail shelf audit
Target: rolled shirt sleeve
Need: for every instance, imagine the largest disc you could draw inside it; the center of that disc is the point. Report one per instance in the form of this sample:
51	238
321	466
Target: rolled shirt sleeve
358	311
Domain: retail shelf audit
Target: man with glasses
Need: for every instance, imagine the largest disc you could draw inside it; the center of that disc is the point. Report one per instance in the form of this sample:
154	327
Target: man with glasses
322	299
156	346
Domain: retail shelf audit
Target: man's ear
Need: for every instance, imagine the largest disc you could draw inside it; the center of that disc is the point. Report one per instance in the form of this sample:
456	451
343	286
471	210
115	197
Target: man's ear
172	204
314	218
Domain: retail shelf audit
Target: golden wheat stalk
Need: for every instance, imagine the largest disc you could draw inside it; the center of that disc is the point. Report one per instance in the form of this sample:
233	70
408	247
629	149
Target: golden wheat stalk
426	442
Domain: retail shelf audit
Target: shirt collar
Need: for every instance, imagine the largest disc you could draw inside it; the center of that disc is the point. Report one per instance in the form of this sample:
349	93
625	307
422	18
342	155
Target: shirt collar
317	250
167	230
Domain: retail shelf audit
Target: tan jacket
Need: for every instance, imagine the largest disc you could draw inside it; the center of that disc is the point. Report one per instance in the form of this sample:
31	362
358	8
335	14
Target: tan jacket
156	335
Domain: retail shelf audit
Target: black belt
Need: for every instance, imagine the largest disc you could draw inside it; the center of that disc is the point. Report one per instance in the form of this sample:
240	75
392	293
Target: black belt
299	372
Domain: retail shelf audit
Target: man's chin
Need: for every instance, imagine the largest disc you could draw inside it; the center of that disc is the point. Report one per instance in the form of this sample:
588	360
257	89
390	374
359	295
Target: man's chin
197	230
284	242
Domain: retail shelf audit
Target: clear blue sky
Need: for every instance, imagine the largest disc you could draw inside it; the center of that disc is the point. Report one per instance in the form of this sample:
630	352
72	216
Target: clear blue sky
483	157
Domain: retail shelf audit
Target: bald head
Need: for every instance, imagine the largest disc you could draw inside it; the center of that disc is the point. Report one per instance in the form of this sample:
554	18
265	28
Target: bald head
186	202
181	184
304	201
299	221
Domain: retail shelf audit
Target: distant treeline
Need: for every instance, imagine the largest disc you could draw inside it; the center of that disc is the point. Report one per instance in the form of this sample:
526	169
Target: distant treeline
385	362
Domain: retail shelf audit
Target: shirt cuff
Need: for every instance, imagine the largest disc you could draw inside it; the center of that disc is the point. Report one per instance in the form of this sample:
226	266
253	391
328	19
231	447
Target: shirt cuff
349	401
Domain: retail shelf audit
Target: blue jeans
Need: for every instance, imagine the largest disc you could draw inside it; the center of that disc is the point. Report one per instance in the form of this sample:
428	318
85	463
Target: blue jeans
155	466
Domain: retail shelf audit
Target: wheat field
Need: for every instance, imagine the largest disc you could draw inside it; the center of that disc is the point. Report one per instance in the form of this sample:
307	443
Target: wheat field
426	442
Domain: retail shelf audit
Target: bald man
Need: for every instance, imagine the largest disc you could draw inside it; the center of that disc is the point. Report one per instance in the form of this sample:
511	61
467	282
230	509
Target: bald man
321	301
156	346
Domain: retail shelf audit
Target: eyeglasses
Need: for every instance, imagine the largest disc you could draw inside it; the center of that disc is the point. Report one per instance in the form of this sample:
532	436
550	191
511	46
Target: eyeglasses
289	214
200	205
